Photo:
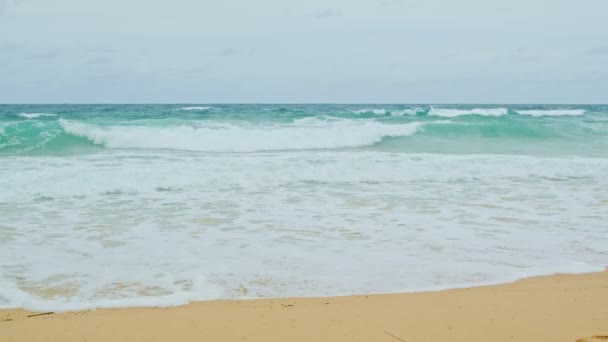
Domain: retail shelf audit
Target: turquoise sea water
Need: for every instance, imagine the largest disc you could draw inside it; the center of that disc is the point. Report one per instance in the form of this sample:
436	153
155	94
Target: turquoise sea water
77	129
131	205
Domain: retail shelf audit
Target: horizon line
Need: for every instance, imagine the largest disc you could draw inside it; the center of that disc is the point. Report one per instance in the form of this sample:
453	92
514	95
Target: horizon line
306	103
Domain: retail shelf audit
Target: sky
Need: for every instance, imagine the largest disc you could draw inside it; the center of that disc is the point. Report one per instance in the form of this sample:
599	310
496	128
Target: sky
281	51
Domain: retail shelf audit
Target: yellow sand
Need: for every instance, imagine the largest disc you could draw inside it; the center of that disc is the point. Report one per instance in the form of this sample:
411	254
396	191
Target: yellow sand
544	309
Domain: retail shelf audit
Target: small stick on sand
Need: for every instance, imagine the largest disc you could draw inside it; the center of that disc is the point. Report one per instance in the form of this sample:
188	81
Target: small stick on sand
400	339
41	314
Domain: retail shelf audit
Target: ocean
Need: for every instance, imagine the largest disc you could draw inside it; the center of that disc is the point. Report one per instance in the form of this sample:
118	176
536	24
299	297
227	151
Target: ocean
161	205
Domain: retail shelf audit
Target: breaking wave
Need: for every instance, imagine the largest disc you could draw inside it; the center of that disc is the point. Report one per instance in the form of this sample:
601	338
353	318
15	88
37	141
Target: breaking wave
305	134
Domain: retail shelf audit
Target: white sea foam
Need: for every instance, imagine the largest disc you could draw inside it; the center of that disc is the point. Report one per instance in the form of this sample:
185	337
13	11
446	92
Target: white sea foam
200	108
35	115
452	112
145	228
308	133
552	112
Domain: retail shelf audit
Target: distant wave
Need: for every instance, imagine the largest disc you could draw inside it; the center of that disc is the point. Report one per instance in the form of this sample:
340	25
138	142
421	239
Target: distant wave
392	112
303	134
408	111
379	111
35	115
455	112
196	108
552	112
452	112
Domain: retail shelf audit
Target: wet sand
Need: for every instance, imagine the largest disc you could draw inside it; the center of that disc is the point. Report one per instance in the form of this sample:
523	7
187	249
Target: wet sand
553	308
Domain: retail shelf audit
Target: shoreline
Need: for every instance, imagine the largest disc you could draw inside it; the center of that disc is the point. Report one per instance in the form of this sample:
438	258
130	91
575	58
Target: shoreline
564	307
136	304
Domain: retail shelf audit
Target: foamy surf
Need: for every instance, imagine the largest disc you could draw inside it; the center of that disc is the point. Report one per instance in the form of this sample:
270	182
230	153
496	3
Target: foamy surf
288	224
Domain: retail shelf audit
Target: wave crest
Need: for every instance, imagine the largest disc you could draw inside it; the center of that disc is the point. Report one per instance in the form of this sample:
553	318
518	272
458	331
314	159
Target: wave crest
299	135
35	115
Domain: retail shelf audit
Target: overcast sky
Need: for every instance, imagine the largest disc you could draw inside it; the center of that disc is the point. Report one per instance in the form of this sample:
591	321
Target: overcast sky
403	51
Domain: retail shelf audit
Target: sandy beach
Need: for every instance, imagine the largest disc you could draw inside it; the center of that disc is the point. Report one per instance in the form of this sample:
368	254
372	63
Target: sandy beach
552	308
